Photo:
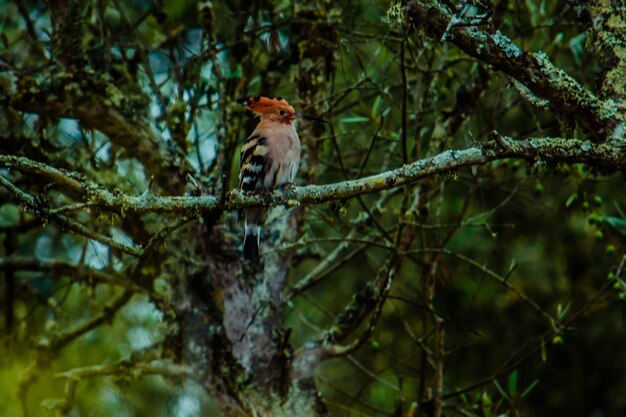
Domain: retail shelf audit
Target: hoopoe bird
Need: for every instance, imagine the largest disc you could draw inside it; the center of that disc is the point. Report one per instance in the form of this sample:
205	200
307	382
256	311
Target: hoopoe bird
270	157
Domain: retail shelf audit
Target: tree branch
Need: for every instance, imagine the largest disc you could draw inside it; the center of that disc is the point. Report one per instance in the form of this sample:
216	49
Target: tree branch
533	69
66	222
608	156
136	136
57	341
76	272
124	368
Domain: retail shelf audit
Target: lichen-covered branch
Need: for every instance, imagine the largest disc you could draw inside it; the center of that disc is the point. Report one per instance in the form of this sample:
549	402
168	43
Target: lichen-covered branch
608	157
66	222
606	39
69	100
533	69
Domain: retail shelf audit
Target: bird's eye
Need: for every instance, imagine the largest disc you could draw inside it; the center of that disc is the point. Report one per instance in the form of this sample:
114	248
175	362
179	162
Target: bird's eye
282	112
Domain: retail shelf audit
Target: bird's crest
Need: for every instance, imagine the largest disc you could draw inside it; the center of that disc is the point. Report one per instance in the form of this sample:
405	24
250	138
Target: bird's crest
261	105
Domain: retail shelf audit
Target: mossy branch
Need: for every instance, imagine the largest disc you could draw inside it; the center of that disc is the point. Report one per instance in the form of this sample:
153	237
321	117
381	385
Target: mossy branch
533	69
609	157
136	136
41	209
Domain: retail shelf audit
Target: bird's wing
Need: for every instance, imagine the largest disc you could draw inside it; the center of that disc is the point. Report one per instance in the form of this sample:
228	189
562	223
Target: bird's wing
254	163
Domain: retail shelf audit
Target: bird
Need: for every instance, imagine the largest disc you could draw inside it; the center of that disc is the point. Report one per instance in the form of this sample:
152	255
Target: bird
270	158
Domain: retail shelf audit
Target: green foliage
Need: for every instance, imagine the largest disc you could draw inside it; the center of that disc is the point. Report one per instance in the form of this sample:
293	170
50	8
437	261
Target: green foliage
505	281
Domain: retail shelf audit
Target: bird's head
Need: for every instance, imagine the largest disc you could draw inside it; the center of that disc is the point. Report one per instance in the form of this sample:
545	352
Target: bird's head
271	108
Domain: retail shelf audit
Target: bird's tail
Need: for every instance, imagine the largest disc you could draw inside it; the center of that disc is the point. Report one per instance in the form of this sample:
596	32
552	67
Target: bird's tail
254	218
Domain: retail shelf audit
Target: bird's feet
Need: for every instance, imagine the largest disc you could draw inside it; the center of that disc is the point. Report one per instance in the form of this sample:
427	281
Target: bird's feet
288	186
266	195
289	193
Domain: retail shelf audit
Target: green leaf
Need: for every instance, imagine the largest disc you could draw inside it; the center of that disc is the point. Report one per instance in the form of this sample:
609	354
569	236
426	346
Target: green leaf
617	223
558	38
562	312
513	383
502	391
9	215
529	389
573	197
577	46
376	105
485	398
355	119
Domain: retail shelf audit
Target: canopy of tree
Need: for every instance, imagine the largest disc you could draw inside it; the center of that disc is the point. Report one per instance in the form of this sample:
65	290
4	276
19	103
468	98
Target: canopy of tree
453	245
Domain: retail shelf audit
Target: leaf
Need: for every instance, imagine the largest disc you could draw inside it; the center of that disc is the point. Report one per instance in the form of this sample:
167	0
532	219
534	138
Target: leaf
529	389
512	383
562	312
577	46
9	215
617	223
502	391
376	105
558	38
355	119
485	398
573	197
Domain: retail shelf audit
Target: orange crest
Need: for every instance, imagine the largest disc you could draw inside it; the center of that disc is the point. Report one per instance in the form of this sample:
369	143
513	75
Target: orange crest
269	106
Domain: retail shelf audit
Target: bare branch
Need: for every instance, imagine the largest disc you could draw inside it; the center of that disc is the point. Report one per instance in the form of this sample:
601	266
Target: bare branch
172	370
77	272
60	339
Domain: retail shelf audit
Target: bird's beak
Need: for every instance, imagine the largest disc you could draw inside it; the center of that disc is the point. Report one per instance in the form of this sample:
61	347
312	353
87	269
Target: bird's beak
310	117
244	101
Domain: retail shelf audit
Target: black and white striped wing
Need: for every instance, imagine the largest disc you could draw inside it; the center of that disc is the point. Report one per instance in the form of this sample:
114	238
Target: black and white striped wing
254	163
